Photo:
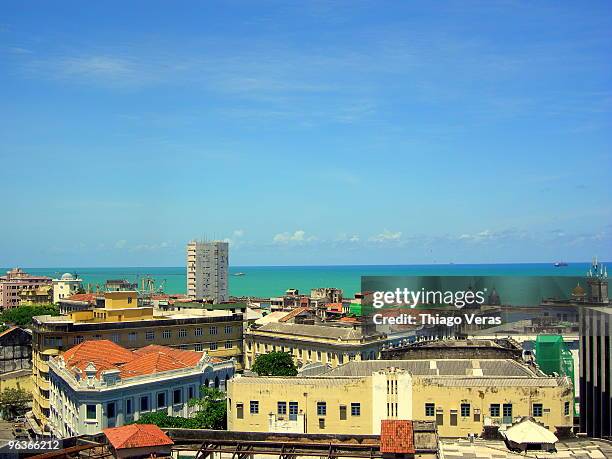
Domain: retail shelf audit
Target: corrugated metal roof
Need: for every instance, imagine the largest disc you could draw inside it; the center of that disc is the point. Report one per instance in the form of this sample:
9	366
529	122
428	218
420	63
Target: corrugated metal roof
496	382
442	367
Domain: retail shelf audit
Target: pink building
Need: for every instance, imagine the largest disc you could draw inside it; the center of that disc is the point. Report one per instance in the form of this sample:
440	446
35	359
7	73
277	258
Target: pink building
16	281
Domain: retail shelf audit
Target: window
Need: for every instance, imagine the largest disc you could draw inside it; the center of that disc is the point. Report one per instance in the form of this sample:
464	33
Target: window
566	408
453	417
128	406
228	345
191	392
254	407
494	410
343	412
537	410
110	410
355	409
177	396
507	411
182	333
321	408
161	400
198	347
321	423
129	300
318	356
430	409
91	412
166	334
465	410
239	411
144	403
132	336
198	331
77	340
213	346
115	337
228	329
150	336
281	408
212	330
293	410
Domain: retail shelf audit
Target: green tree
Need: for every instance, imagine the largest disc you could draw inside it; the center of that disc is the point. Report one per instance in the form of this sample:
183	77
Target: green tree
22	315
211	413
275	364
14	402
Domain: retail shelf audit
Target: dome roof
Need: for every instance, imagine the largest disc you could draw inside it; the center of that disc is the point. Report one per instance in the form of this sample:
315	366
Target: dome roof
67	276
578	291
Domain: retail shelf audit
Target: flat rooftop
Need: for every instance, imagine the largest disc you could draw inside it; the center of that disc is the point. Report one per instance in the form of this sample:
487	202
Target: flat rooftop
496	449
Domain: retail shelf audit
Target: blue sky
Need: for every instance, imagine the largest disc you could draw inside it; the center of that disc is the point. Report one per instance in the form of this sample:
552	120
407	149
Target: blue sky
364	132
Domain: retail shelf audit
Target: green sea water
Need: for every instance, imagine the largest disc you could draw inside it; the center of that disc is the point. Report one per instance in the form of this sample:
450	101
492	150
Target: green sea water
266	281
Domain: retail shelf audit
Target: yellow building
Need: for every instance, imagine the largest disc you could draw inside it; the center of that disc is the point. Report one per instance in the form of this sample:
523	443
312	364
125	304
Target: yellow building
36	296
460	395
19	379
326	344
219	333
15	359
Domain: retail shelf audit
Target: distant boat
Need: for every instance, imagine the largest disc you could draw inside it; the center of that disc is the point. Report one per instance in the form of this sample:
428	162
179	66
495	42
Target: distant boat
239	274
560	264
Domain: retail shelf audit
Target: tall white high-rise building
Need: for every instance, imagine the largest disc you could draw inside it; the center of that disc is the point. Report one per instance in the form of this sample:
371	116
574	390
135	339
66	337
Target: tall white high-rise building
208	270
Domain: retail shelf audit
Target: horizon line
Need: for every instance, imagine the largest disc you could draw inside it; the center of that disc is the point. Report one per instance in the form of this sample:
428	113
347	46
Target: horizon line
318	266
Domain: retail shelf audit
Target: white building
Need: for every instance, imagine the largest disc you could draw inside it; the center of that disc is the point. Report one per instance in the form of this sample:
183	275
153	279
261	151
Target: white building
65	286
99	384
208	270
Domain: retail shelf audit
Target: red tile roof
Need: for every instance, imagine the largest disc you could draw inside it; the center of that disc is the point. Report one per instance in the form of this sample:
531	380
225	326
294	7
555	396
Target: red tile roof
396	436
137	436
106	355
86	297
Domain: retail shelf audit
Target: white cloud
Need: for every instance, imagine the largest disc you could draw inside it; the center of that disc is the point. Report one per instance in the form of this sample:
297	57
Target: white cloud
120	244
387	236
238	233
344	237
299	237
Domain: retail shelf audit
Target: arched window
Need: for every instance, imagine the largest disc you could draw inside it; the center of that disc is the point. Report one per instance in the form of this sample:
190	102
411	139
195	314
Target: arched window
216	382
206	382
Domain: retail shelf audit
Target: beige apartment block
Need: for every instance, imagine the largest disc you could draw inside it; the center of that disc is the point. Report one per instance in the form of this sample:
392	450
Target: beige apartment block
460	395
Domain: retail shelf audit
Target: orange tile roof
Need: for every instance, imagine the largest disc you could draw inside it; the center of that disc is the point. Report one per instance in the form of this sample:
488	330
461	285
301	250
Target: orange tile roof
106	355
396	436
334	307
186	357
351	320
137	436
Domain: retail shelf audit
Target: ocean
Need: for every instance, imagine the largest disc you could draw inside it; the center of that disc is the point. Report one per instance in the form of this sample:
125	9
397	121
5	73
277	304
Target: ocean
267	281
